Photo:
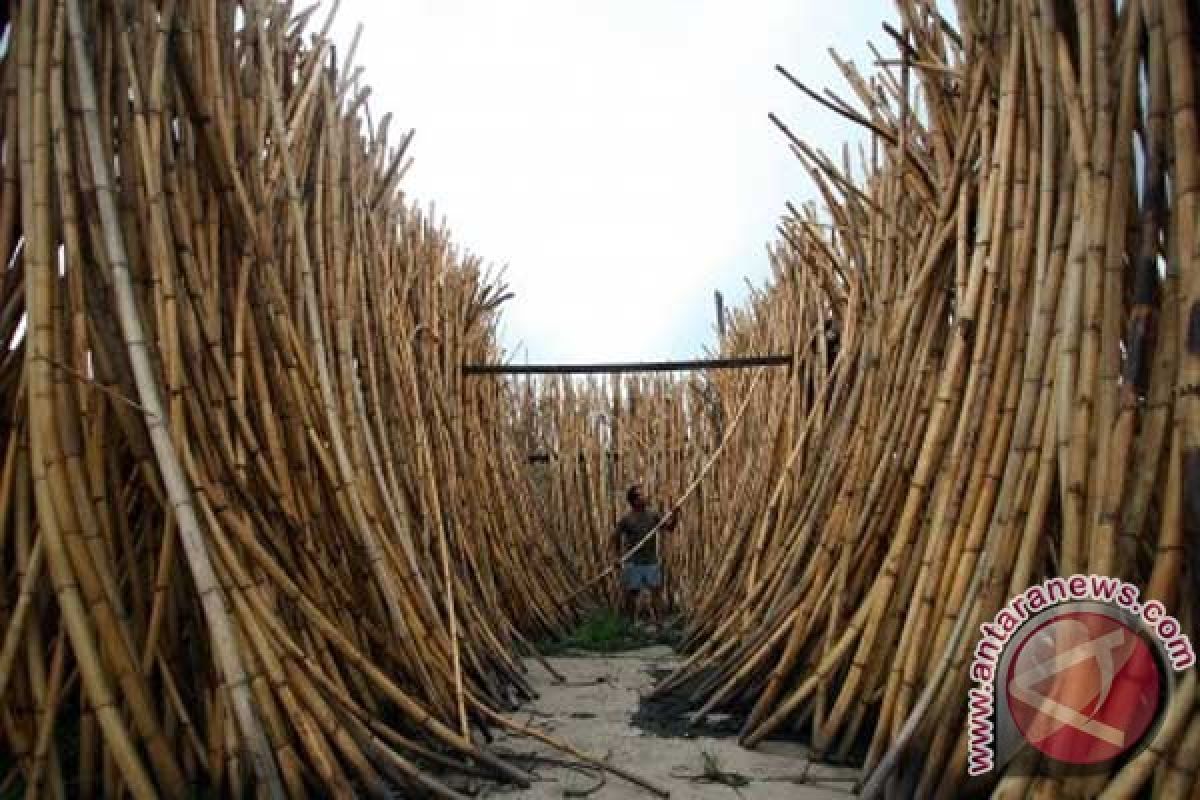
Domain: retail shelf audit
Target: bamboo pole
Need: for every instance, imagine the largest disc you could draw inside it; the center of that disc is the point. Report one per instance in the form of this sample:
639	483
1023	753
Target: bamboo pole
1008	386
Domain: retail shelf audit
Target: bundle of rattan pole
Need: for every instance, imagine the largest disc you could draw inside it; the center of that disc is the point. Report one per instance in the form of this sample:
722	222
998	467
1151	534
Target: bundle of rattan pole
257	535
994	312
1012	288
588	441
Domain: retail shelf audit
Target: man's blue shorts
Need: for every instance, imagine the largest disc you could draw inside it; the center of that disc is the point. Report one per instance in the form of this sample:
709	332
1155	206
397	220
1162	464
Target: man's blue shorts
641	576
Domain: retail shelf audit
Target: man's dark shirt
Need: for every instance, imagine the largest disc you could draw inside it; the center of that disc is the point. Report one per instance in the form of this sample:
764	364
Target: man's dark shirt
632	527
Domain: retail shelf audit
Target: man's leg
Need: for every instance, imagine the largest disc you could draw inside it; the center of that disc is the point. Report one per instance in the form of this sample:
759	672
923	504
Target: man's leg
654	588
654	582
631	603
639	582
627	592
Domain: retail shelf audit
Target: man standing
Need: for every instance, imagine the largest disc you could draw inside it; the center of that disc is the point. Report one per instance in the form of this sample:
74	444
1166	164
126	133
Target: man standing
642	569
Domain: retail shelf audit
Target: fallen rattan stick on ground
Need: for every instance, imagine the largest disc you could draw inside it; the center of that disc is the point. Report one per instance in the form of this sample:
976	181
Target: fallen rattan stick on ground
599	763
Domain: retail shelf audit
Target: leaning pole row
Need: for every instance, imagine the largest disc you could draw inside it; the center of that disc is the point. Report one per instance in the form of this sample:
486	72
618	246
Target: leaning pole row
1012	276
257	535
994	311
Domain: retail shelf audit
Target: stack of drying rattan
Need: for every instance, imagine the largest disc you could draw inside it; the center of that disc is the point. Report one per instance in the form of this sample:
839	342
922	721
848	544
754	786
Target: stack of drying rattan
255	530
589	441
1011	279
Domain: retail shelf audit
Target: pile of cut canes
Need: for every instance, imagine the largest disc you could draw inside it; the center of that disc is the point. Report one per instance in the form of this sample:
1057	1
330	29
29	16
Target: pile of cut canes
996	323
257	535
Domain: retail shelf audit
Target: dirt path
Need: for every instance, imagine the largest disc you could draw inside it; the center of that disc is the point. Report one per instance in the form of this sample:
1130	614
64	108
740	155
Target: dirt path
594	711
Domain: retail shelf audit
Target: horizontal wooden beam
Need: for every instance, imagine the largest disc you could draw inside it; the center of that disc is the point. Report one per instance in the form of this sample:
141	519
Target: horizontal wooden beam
631	366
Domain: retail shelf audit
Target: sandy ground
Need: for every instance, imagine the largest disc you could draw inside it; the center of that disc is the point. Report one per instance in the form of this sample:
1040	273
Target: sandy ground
594	712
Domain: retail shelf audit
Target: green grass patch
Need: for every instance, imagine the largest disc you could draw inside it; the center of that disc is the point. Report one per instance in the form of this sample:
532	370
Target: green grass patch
606	631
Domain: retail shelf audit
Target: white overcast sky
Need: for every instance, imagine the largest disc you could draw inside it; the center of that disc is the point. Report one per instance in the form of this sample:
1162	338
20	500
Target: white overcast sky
614	155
